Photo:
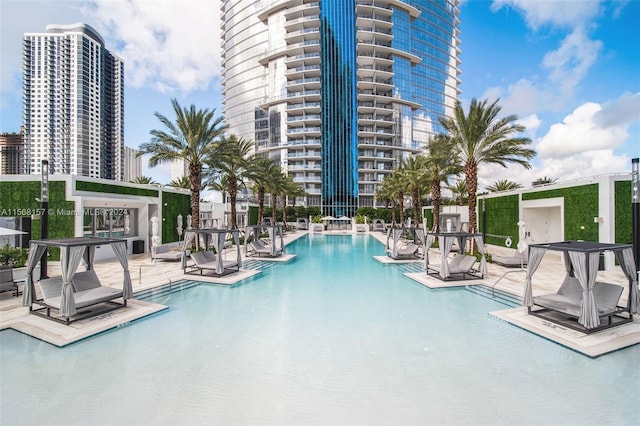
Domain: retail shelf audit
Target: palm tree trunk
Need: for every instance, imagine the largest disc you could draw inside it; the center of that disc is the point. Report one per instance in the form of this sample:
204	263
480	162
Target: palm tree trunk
401	200
416	205
471	174
435	196
274	205
393	214
195	182
233	193
260	205
284	211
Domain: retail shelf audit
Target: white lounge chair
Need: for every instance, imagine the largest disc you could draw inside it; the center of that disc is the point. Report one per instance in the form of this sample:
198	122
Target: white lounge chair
406	251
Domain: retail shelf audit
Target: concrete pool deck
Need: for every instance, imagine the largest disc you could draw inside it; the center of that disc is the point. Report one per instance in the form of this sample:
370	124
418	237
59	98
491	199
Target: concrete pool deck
148	275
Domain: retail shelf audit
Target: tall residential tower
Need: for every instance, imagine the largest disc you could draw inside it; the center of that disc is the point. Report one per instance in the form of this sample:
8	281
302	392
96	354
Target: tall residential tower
337	92
73	103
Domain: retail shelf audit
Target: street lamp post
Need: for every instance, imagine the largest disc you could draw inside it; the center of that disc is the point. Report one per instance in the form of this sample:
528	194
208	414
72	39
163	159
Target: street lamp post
635	208
44	215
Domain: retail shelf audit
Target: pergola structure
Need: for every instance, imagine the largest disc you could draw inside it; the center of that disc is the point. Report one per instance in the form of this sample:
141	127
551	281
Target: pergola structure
445	242
212	238
73	251
581	260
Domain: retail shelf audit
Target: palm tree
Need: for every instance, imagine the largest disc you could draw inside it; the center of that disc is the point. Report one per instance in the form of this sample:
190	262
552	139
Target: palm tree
181	182
192	138
503	185
414	172
459	190
219	183
264	171
276	186
289	188
147	180
234	162
442	162
394	188
543	181
482	137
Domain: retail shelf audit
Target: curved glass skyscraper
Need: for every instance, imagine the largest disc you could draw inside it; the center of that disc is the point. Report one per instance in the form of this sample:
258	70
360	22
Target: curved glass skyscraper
338	92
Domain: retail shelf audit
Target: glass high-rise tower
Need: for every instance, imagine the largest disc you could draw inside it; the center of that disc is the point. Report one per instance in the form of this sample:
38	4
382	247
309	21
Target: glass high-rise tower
73	90
337	92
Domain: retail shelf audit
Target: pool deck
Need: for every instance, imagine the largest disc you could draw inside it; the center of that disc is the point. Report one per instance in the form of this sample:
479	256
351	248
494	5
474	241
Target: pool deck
147	275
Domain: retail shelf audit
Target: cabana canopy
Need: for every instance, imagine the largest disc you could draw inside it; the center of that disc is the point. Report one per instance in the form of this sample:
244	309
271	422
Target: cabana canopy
72	252
581	259
253	232
212	238
445	242
395	234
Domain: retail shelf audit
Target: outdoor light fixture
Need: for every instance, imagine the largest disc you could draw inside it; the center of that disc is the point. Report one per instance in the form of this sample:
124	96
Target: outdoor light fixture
635	208
44	214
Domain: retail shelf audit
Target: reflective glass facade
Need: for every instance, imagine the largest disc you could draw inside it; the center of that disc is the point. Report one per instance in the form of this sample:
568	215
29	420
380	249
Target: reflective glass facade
338	91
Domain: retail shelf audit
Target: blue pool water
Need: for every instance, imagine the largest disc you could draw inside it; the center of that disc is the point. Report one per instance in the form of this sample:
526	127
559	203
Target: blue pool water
333	337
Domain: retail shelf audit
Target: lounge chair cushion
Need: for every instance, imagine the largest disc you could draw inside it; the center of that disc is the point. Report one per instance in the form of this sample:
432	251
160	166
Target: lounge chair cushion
464	265
51	287
568	299
85	280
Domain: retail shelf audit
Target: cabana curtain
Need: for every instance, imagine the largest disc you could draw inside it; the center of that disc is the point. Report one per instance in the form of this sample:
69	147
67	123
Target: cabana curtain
586	276
188	238
427	246
535	257
35	253
483	259
70	258
120	250
445	247
626	259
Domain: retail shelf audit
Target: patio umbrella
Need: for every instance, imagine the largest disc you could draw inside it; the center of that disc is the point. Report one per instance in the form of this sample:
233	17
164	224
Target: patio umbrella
179	228
155	236
328	218
127	224
188	221
522	244
5	232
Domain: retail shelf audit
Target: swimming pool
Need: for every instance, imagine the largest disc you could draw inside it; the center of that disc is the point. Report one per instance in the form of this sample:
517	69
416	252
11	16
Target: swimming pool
332	337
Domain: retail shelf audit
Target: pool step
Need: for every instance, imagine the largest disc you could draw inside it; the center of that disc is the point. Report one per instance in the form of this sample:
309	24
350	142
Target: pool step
165	289
411	267
256	264
503	297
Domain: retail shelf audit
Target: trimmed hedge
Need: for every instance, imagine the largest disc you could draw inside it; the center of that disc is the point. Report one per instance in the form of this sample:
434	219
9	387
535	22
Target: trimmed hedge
176	204
502	219
82	185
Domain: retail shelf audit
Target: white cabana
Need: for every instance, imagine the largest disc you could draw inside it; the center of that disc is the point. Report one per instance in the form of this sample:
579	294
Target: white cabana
581	260
213	238
73	251
445	242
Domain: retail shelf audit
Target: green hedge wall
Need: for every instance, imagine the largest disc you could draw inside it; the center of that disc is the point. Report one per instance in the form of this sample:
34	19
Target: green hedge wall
19	197
175	204
82	185
580	207
622	206
503	214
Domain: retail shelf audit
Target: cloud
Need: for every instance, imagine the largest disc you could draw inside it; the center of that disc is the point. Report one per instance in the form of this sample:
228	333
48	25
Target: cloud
569	64
170	45
555	13
585	130
622	111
